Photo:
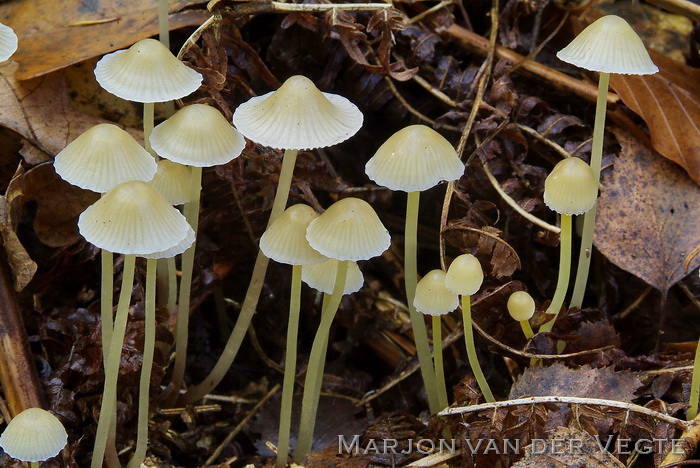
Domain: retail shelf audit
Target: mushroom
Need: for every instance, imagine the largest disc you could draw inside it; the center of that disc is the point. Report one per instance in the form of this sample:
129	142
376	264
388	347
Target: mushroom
608	45
349	230
433	298
297	116
34	435
8	42
521	307
464	277
570	189
414	159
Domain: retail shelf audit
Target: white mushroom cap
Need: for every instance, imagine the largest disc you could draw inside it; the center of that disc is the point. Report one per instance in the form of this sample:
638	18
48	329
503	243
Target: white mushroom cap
177	249
284	241
172	180
414	159
609	45
321	276
8	42
34	435
464	276
197	135
348	230
298	116
146	72
571	188
103	157
521	306
432	296
133	218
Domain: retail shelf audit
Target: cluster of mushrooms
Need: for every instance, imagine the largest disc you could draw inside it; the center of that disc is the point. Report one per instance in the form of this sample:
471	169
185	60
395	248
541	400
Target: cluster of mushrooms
136	217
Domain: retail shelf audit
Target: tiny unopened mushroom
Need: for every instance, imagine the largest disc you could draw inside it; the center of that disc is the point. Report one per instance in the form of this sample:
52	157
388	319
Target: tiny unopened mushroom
33	435
521	307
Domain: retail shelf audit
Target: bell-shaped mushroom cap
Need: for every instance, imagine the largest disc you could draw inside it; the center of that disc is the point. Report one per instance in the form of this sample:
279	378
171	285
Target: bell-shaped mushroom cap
197	135
321	276
284	241
432	296
298	116
8	42
464	276
133	218
172	180
102	158
414	159
146	72
177	249
34	435
348	230
609	45
571	187
521	306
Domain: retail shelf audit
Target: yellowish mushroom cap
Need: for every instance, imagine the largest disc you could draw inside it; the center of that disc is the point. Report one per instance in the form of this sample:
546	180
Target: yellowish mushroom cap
414	159
571	187
197	135
133	218
521	306
432	296
609	45
102	158
348	230
8	42
464	276
146	72
298	116
172	180
34	435
321	276
177	249
284	241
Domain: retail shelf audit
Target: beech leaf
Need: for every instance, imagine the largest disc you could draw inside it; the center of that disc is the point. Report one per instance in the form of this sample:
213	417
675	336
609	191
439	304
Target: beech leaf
648	216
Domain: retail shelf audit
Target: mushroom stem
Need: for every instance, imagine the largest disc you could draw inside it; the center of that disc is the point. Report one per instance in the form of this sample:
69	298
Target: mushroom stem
439	367
527	329
289	369
564	273
471	350
106	298
420	334
148	118
172	284
182	326
314	373
584	258
163	27
149	342
109	397
250	302
695	386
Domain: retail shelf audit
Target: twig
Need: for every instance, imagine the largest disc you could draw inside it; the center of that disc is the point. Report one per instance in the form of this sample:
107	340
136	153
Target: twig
682	7
687	443
679	423
429	11
281	7
636	303
227	440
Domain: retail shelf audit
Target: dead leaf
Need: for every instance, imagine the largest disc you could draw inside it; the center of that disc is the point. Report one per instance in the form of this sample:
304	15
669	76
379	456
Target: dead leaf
648	216
53	35
498	258
669	102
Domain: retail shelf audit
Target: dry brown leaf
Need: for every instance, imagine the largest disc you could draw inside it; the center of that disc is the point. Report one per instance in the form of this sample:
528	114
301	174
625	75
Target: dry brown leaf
56	33
669	102
497	257
648	216
567	447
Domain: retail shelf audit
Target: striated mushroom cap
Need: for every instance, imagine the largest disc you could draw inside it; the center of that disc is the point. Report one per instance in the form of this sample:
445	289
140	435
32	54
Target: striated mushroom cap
8	42
321	276
465	275
298	116
609	45
571	187
285	240
34	435
432	296
172	180
415	158
146	72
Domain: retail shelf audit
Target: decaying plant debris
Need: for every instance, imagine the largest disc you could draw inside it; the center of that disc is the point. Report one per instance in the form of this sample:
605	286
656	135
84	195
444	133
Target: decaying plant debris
512	110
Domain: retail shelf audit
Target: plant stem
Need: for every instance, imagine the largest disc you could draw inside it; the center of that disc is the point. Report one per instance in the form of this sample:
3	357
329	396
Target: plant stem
471	350
314	373
109	397
564	272
149	343
252	294
695	387
290	364
182	326
439	367
106	298
420	334
527	329
584	257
